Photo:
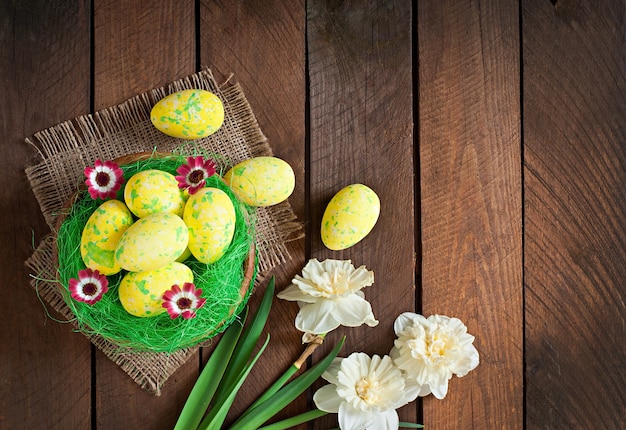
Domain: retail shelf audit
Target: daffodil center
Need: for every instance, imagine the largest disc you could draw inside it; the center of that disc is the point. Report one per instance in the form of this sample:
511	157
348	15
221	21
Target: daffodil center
368	390
337	284
196	176
103	179
433	348
183	303
89	289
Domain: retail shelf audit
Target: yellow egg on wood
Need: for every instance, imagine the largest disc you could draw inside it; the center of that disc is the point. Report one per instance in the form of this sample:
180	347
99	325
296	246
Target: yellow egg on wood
101	235
350	215
152	191
152	242
210	217
141	293
188	114
261	181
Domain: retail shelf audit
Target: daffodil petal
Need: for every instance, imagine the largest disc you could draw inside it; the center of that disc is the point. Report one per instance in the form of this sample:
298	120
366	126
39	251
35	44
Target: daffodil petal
293	293
405	319
326	399
387	420
317	317
354	419
352	311
411	391
332	371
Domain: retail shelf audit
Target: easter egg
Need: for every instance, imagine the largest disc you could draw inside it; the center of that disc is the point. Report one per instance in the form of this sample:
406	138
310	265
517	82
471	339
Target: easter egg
188	114
152	191
141	293
101	235
152	242
350	215
261	181
210	217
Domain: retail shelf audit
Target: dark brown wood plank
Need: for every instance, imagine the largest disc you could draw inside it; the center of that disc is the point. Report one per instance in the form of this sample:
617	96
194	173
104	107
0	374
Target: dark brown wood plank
469	117
575	212
361	117
139	46
261	43
44	65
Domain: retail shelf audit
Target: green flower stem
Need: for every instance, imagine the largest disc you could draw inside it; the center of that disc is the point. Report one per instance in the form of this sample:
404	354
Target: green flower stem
294	421
253	418
297	365
404	425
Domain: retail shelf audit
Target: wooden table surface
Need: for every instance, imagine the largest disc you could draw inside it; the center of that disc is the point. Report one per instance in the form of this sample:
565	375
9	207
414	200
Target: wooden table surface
494	133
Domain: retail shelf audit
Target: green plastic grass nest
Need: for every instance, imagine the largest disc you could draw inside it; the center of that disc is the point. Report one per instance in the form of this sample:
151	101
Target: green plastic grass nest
226	284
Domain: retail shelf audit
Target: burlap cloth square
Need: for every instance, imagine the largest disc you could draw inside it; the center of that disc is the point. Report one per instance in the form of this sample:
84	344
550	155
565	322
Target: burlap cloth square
67	148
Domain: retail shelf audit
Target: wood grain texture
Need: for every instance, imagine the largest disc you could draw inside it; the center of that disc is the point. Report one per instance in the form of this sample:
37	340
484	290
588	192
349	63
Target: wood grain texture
575	213
139	46
361	119
470	162
261	43
44	69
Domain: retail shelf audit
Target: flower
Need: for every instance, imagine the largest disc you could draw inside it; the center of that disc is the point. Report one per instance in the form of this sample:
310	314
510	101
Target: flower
431	350
365	392
193	175
89	287
329	295
183	301
104	179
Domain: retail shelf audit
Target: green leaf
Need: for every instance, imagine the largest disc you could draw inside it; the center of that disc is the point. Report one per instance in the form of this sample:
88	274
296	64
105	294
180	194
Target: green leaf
294	421
410	426
277	385
207	383
217	415
254	417
247	342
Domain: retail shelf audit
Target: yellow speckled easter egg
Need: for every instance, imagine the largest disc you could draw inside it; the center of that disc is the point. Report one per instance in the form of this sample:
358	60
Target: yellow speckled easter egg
152	191
210	217
188	114
261	181
152	242
350	215
101	234
141	293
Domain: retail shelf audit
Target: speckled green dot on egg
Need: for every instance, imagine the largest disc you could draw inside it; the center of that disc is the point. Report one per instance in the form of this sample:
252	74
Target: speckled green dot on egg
152	242
188	114
141	293
152	191
261	181
210	217
101	235
349	217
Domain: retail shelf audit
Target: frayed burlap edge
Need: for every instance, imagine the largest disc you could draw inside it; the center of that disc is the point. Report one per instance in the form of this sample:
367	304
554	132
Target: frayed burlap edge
67	148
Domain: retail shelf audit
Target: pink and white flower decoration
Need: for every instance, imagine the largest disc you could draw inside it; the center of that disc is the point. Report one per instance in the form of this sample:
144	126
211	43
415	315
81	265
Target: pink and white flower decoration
193	175
89	287
104	179
183	301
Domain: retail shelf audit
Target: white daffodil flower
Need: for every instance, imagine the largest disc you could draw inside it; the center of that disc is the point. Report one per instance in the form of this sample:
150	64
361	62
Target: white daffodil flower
329	295
430	350
365	392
